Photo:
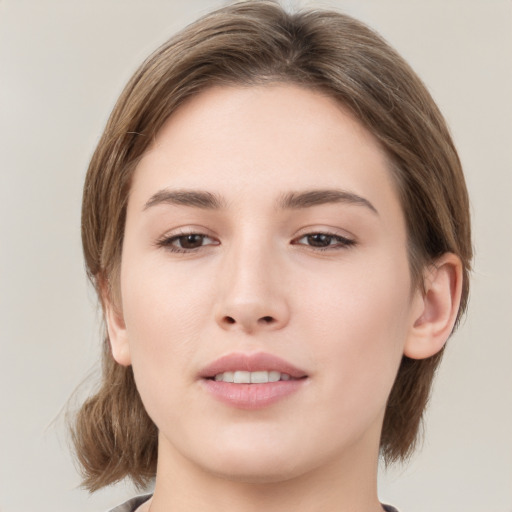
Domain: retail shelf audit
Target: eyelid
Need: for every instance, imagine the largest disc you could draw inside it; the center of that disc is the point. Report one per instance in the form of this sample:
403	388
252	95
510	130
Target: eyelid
166	240
325	230
191	229
344	240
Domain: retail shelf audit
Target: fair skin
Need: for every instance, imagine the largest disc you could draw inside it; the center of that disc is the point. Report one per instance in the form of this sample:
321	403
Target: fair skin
246	260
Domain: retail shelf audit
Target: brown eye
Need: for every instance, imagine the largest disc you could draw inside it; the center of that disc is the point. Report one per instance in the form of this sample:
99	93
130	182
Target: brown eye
319	240
187	242
192	241
324	241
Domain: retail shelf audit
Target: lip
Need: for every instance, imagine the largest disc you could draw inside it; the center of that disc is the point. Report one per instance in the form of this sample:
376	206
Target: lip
251	396
253	362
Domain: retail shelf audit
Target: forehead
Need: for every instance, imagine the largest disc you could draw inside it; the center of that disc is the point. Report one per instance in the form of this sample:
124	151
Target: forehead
264	140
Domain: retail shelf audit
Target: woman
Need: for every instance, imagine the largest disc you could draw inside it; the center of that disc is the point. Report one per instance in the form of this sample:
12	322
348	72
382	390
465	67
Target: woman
276	224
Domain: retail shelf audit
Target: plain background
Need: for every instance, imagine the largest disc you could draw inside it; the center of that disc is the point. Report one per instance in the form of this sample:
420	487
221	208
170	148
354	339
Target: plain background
62	65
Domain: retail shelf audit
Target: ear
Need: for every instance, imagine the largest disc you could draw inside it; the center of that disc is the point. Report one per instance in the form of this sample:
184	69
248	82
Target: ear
116	327
436	308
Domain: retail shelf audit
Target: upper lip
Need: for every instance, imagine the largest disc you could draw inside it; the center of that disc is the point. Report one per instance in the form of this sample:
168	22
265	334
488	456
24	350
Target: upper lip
253	362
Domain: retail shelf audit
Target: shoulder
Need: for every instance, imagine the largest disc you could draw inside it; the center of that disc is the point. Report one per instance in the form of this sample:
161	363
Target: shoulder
132	504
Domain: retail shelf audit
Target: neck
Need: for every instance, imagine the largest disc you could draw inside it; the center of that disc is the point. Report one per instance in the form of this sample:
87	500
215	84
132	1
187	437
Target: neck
344	485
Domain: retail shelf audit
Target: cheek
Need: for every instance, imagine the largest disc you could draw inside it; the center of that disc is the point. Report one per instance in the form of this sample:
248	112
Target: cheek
359	323
164	321
161	303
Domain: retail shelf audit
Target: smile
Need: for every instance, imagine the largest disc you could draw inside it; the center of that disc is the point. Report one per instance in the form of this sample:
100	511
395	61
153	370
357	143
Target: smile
251	380
240	367
244	377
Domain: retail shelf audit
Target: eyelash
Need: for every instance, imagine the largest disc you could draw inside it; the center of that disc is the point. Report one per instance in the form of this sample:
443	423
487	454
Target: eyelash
341	242
168	241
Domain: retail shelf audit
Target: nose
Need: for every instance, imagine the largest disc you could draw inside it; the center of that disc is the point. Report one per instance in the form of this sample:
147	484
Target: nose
252	295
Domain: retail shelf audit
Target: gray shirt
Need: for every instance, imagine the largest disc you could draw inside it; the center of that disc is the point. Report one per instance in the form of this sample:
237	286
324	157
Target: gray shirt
134	503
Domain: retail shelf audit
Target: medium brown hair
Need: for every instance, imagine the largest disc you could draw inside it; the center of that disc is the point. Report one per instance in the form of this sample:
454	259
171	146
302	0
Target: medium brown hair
253	43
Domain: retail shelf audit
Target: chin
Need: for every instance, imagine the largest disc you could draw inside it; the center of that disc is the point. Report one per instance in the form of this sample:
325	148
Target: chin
254	463
262	473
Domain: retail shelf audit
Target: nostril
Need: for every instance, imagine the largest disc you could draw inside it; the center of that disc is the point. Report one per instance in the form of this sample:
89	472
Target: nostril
248	323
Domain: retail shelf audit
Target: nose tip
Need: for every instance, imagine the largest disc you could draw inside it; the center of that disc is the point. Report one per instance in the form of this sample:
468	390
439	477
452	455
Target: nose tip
248	322
251	288
245	317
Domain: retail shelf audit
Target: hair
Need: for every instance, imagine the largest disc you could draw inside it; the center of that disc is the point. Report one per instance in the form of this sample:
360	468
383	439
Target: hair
255	43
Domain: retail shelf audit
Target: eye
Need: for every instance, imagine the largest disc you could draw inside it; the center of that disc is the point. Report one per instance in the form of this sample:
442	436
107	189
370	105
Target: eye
186	242
324	241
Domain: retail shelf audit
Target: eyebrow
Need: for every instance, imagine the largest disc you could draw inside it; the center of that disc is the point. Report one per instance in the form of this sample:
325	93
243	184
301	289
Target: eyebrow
194	198
289	201
309	198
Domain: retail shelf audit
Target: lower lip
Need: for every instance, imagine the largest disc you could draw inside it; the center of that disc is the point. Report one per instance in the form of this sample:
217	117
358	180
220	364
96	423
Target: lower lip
252	396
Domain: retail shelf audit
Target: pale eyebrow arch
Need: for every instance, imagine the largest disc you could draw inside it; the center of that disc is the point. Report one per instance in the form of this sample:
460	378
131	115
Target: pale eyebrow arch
193	198
310	198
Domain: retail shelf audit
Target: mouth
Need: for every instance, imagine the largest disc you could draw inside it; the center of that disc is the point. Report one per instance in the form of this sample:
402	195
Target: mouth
247	368
258	377
251	381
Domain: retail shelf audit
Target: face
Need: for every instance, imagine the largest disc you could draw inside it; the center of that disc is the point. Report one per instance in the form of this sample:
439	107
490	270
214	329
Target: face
264	241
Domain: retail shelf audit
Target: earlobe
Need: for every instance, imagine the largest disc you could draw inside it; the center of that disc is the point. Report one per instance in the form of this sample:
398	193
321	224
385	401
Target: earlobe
437	309
116	329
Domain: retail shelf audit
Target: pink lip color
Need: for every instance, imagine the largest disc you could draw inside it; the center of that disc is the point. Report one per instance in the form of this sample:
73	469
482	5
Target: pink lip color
251	396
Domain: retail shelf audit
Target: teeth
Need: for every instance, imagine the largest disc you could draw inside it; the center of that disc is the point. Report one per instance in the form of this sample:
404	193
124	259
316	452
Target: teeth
226	376
275	376
243	377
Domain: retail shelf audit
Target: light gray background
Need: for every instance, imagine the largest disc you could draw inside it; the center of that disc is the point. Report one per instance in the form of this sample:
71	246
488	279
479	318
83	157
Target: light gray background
62	65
